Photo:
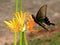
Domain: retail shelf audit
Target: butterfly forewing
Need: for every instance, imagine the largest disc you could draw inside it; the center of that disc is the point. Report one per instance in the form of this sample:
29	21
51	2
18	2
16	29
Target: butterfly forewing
42	12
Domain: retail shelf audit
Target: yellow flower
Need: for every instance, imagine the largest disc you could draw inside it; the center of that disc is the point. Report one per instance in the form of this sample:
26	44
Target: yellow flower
20	17
13	24
18	22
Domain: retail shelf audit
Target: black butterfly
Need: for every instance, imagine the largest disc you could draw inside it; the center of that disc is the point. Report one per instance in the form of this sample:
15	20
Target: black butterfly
42	18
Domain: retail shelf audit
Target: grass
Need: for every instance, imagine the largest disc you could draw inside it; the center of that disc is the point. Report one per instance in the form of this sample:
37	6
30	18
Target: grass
35	42
55	39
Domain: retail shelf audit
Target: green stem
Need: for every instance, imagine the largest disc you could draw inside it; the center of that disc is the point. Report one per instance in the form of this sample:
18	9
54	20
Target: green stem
15	38
25	38
16	5
20	38
20	5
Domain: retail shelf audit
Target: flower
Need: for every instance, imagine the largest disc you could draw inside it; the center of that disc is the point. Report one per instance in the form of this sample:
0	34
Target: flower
20	17
30	23
18	22
13	24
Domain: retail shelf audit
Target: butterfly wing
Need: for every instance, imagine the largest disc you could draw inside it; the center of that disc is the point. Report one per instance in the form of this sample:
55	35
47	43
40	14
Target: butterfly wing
42	12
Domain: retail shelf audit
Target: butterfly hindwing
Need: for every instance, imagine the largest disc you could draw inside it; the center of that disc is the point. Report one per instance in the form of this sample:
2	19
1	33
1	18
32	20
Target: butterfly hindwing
42	12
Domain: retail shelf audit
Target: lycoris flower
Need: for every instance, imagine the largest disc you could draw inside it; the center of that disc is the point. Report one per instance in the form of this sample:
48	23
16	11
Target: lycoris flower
13	24
18	22
30	23
20	17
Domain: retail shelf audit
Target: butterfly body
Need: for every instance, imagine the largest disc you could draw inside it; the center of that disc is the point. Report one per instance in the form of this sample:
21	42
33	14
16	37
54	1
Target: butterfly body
42	18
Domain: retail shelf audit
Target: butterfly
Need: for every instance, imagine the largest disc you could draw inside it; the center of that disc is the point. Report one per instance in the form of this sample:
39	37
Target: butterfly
42	18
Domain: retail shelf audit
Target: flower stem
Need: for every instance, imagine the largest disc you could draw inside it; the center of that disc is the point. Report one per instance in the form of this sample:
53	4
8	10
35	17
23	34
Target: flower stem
20	38
15	38
25	38
20	5
16	5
